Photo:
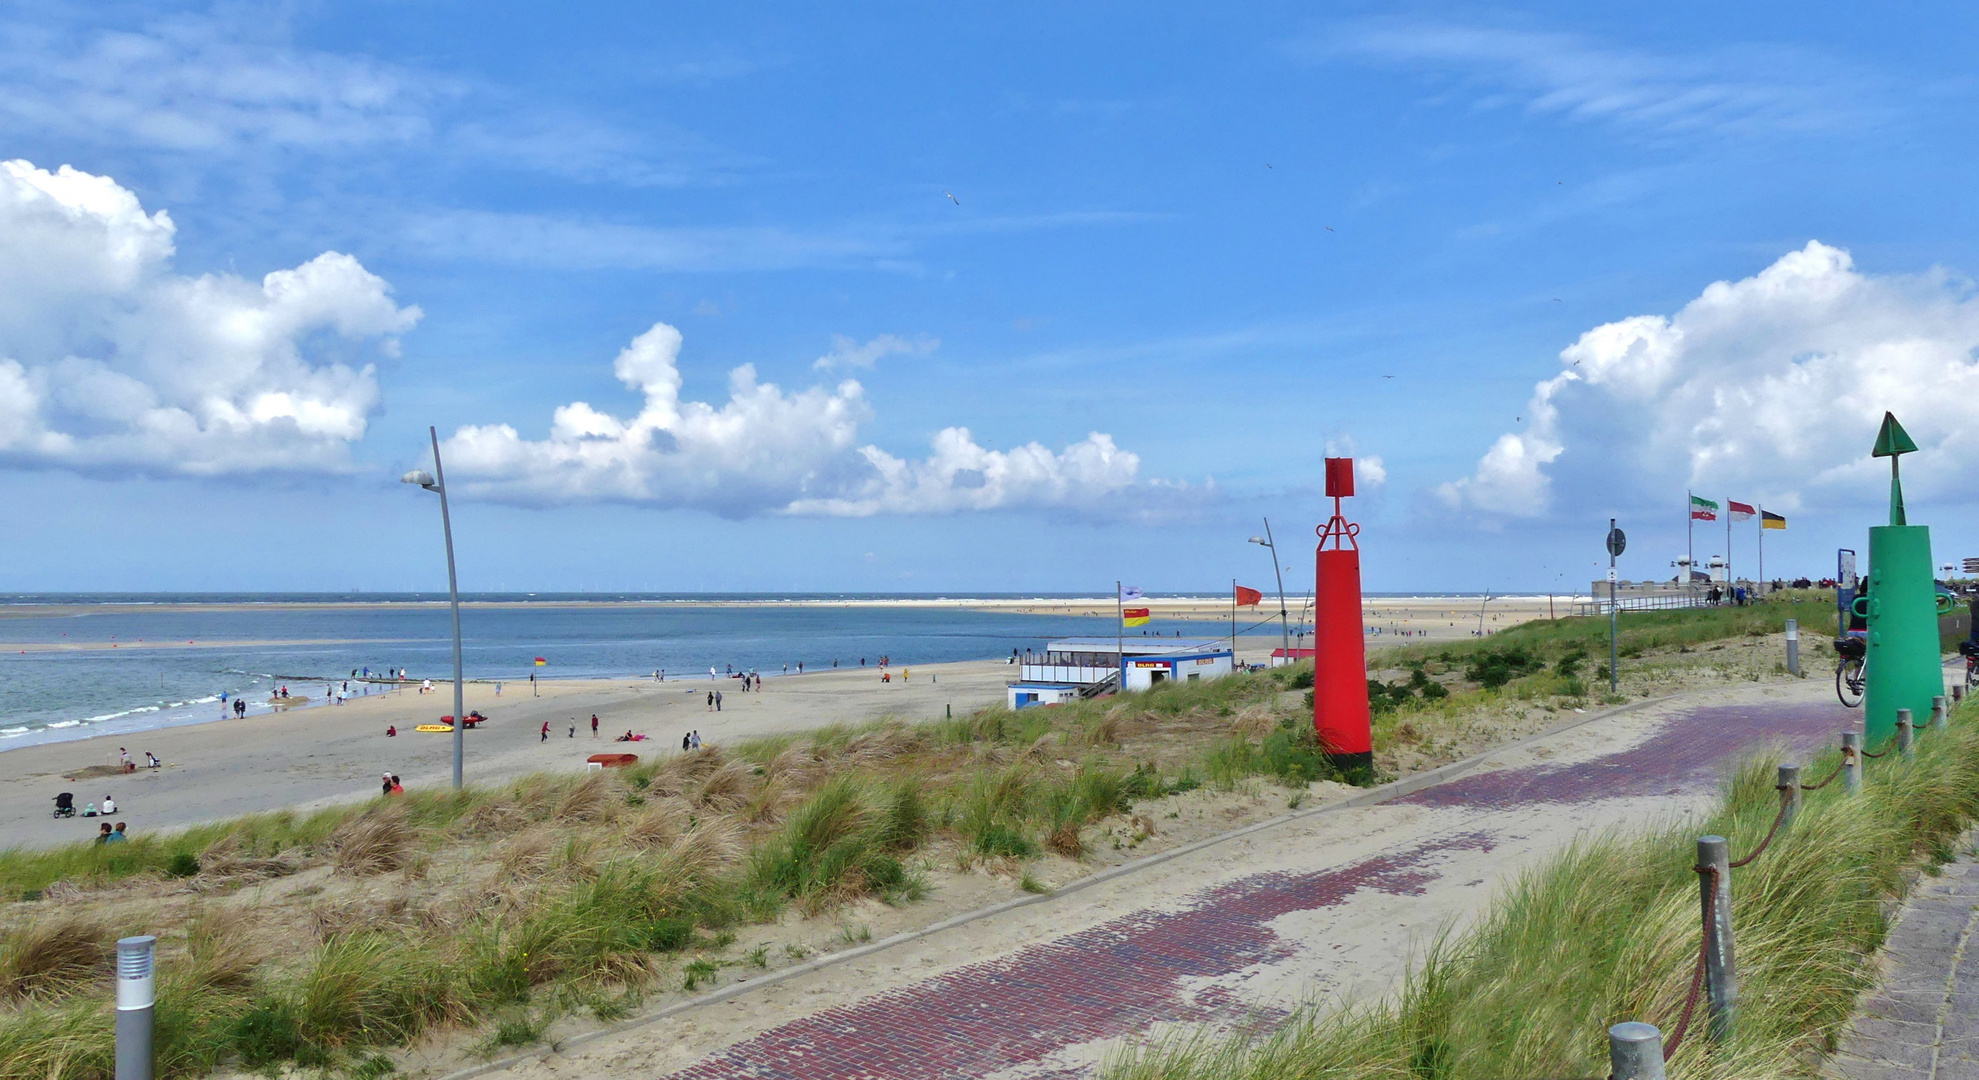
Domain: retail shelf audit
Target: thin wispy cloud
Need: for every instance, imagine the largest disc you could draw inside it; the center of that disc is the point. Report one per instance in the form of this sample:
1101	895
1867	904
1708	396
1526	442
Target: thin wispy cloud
1727	90
569	242
229	90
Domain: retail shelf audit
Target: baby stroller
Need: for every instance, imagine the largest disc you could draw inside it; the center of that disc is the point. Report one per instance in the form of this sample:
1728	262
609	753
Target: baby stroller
65	805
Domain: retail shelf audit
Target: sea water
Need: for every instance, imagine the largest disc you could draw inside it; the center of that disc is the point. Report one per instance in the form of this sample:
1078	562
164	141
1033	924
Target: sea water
175	656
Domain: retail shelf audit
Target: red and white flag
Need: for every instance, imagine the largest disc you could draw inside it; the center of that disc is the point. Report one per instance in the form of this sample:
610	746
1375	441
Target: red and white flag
1740	511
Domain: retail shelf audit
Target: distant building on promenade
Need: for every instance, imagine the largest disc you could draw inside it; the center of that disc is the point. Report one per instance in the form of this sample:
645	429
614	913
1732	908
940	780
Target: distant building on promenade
1076	668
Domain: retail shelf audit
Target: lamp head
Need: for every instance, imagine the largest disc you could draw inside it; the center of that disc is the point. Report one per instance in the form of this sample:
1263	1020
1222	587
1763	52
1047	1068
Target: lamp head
422	478
1257	540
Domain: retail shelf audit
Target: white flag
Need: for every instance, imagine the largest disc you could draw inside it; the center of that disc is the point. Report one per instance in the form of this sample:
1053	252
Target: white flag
1130	592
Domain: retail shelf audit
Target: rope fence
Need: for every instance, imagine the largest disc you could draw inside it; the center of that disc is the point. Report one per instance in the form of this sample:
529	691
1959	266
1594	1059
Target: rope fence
1638	1051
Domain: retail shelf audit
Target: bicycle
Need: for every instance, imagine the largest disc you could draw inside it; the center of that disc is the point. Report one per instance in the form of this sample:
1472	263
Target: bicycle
1970	651
1851	670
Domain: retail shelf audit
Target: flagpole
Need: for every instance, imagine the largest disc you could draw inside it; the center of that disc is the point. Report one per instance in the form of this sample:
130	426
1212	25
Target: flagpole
1690	537
1120	636
1762	548
1728	543
1233	623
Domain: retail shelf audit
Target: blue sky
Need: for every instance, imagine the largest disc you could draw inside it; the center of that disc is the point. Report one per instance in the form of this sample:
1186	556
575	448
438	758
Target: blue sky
1476	244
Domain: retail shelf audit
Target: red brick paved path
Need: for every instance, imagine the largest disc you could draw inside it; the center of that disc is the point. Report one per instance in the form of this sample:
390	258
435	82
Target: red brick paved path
1127	973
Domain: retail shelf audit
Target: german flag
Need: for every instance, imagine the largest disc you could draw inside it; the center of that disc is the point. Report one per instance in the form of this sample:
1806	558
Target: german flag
1134	616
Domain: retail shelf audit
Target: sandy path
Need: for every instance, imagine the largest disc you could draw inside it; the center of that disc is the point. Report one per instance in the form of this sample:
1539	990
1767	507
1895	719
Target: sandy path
1327	905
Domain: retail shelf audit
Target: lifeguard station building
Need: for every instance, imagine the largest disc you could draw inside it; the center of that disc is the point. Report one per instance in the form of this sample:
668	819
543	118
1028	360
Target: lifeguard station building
1089	667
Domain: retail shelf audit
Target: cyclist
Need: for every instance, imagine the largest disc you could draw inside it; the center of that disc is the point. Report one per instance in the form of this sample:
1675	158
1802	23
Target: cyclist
1852	649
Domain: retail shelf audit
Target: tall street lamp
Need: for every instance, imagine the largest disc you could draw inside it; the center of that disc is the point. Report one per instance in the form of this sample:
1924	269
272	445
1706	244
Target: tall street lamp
439	484
1284	626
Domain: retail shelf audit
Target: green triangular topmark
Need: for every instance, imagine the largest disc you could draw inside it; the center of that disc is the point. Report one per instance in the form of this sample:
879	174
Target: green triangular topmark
1892	439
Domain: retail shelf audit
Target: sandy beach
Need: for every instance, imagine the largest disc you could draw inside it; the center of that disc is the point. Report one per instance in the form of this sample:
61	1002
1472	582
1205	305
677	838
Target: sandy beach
315	756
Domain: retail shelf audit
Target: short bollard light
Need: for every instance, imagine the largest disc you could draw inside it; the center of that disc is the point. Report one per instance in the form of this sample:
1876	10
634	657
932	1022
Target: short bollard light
1789	793
1852	762
1793	647
1906	735
136	992
1635	1051
1958	693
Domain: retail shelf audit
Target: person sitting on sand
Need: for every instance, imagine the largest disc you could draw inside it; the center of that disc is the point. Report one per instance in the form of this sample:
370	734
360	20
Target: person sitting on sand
116	836
103	833
89	810
885	677
109	806
151	760
392	731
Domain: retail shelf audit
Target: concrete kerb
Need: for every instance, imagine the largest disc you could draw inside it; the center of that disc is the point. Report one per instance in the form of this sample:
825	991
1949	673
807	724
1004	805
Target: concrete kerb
1371	797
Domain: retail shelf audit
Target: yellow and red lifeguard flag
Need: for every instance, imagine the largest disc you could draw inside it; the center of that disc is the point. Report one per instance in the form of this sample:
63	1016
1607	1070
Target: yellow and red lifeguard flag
540	661
1134	616
1248	597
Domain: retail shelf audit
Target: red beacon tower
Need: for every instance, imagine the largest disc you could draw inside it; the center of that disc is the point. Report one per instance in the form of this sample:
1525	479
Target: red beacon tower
1340	714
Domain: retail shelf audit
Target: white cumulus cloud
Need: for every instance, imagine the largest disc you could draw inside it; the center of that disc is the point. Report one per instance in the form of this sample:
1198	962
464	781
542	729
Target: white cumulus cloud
768	451
1771	387
110	359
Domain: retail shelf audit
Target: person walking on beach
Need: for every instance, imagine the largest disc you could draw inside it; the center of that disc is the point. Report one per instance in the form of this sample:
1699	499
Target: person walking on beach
718	701
594	725
546	731
573	729
695	738
687	742
711	700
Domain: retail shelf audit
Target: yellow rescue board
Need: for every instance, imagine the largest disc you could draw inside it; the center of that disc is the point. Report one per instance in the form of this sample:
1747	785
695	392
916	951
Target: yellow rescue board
434	727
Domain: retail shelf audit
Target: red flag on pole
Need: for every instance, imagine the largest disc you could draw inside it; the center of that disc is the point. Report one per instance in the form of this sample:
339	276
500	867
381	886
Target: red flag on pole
1248	597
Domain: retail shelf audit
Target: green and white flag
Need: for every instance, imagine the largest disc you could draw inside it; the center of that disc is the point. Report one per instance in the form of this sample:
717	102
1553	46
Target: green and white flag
1703	509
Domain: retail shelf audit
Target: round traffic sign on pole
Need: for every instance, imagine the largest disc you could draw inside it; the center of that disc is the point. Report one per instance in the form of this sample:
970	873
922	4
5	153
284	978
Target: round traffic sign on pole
1616	542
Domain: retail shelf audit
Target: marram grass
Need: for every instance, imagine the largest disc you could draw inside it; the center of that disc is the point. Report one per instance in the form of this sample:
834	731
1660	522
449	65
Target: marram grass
1607	931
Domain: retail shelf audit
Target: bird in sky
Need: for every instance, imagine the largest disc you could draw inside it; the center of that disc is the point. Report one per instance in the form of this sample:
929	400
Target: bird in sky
1328	228
1388	376
952	198
1556	299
